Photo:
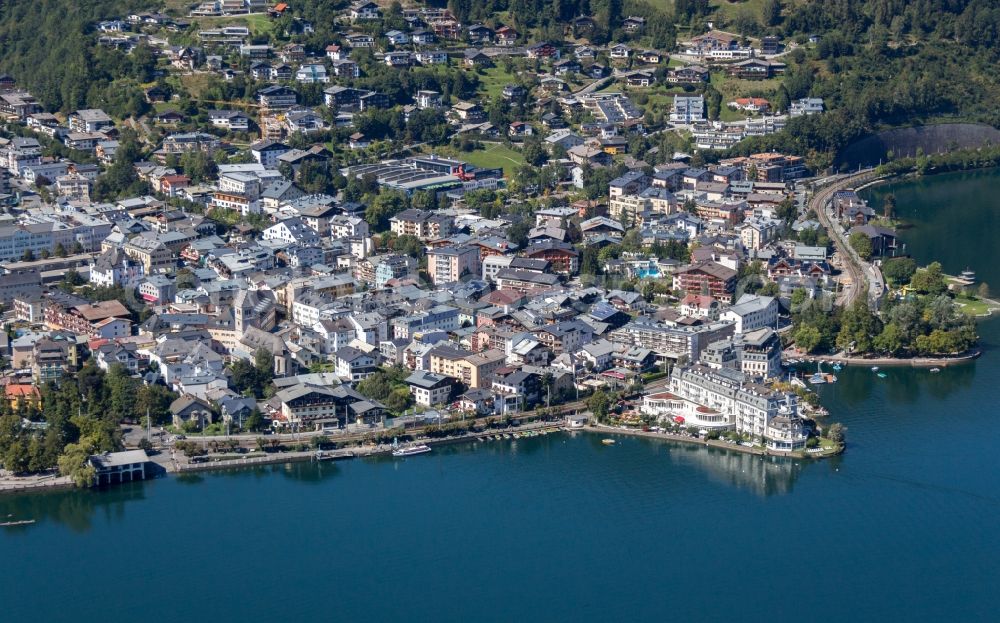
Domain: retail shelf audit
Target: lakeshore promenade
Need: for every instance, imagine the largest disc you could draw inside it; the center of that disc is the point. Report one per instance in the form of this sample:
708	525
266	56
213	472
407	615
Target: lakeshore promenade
710	443
911	362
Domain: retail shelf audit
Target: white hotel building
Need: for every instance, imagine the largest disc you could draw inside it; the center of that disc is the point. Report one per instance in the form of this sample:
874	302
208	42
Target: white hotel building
722	400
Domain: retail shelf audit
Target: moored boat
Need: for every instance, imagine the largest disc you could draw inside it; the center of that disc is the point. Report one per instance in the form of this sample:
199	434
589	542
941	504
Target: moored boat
411	450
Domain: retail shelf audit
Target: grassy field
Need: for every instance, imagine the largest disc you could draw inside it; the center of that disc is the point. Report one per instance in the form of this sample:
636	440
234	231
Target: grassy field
973	306
732	88
258	24
493	80
195	83
495	155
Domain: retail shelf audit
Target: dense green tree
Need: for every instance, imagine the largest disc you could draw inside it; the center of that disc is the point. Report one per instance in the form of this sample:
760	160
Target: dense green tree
929	280
858	325
74	463
889	341
599	405
383	207
861	244
409	245
807	338
898	271
770	13
836	432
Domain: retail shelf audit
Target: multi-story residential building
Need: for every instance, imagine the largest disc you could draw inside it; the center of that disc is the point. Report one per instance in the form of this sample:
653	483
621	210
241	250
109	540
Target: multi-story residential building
429	389
188	142
444	358
277	97
524	280
108	319
423	225
565	336
760	353
688	109
89	120
437	318
672	341
292	231
371	327
364	10
352	364
449	264
752	312
312	73
393	266
267	152
652	200
335	334
561	256
231	120
516	391
756	233
151	253
51	360
114	268
806	106
314	407
706	278
157	289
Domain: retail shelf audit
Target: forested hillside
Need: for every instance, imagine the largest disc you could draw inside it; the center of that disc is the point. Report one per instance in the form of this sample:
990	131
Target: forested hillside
876	63
45	45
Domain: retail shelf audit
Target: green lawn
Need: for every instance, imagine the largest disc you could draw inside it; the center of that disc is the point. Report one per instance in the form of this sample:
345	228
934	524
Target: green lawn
495	156
973	306
195	83
493	80
259	24
732	88
163	106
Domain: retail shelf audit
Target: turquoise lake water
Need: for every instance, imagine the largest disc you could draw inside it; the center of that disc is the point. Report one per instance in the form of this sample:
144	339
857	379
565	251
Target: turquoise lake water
902	527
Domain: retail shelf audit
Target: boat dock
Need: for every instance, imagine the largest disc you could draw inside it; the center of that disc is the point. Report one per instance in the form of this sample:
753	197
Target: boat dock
333	455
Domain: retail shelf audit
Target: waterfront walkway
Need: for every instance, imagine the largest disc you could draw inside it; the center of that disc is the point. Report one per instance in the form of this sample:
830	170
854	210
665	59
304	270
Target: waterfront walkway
47	480
914	362
699	441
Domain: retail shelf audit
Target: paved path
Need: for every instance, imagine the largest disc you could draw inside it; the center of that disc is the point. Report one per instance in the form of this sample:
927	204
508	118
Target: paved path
914	362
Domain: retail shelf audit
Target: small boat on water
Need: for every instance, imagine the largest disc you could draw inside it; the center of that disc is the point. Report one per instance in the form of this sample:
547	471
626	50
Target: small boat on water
935	370
882	375
507	436
411	450
22	522
874	368
820	377
608	442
